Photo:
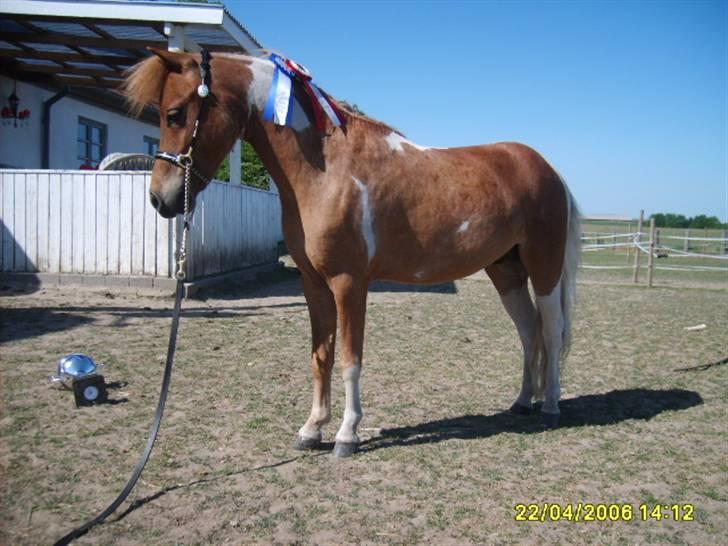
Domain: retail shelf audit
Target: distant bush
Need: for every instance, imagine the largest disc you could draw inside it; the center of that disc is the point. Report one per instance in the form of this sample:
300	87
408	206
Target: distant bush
254	174
701	221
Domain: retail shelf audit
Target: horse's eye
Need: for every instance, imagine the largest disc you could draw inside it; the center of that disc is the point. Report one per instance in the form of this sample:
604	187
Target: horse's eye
175	117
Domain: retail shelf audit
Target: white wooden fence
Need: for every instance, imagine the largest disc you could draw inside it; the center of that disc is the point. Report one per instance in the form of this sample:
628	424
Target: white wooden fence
101	223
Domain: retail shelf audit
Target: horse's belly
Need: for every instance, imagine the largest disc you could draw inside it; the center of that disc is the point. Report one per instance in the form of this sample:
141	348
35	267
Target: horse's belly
440	263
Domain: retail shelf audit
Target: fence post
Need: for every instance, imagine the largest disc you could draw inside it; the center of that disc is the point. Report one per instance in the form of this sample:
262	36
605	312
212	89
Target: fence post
638	237
629	248
725	241
651	256
686	245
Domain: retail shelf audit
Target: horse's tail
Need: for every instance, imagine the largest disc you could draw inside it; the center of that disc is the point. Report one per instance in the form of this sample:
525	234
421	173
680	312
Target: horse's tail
538	362
572	254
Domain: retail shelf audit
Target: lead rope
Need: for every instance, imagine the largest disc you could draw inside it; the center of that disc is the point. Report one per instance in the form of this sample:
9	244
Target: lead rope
180	276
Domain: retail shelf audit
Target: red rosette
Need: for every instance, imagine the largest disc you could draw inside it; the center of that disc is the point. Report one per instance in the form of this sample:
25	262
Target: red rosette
299	69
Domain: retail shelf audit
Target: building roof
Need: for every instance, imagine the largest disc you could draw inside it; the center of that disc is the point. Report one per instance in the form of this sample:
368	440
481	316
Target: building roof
91	43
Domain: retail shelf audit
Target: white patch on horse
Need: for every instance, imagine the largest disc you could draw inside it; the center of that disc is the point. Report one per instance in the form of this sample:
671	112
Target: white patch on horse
259	87
367	220
420	275
259	90
464	226
395	142
352	411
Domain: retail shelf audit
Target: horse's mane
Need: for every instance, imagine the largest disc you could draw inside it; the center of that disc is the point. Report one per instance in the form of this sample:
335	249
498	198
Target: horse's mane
145	80
144	83
357	117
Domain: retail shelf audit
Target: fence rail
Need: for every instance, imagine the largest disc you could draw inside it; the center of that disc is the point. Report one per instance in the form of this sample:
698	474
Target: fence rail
656	247
101	223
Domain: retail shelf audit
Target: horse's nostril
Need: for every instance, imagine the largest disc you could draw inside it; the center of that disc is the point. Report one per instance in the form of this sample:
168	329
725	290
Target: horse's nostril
154	201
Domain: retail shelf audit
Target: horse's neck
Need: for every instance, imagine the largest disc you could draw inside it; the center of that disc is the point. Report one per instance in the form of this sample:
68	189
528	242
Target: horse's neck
294	159
294	156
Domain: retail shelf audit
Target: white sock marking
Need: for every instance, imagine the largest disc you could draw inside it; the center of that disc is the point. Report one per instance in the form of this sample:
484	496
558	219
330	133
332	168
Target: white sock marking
367	222
352	412
553	328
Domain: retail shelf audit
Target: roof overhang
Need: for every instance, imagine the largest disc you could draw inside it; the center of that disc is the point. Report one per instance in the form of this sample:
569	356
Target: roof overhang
91	43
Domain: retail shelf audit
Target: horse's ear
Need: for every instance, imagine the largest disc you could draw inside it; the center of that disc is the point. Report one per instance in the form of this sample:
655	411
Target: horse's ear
173	60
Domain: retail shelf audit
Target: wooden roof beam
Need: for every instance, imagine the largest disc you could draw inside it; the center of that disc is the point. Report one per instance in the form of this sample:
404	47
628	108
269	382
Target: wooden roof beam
116	43
68	57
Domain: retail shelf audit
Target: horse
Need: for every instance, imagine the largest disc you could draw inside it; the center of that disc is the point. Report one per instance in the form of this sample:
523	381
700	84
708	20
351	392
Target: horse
360	202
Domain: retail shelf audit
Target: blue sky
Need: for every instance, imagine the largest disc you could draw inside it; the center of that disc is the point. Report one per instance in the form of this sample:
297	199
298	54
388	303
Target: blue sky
628	100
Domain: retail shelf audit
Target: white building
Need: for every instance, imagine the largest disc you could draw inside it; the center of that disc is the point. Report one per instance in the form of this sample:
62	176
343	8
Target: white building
63	59
61	62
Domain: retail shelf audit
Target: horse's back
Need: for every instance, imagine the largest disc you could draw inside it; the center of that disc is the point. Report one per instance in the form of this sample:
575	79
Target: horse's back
461	209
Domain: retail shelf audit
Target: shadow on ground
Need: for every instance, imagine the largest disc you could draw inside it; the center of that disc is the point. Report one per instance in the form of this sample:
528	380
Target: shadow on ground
589	410
286	282
23	323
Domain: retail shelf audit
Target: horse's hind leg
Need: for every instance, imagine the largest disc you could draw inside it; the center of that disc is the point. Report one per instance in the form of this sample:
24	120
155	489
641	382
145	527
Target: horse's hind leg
322	312
552	324
510	279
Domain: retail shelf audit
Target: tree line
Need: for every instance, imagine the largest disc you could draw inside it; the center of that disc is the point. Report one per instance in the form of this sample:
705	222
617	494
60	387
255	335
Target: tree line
701	221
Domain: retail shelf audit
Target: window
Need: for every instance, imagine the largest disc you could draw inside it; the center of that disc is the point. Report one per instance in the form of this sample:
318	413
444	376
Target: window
151	145
91	142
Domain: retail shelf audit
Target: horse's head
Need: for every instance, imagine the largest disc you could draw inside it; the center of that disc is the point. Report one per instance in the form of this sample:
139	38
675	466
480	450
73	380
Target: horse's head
194	125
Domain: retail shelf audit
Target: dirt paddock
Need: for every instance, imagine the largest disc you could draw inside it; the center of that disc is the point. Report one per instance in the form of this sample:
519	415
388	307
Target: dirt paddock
643	401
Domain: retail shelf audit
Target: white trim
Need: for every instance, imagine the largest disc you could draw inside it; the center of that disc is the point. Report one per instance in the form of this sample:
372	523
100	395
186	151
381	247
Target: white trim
207	14
239	35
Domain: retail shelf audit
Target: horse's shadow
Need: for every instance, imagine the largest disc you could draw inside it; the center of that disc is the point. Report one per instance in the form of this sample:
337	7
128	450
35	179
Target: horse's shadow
588	410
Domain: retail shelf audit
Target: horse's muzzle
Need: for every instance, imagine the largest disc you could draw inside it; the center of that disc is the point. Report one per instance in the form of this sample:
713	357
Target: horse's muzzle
165	210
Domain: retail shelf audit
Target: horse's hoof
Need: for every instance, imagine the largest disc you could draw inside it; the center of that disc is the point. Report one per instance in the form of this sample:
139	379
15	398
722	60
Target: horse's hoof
303	443
345	449
518	409
550	420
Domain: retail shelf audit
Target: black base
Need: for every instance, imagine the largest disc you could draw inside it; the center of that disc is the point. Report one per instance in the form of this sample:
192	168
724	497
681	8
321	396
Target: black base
90	391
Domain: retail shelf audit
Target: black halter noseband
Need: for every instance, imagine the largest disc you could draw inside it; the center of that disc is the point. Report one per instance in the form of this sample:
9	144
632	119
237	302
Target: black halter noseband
185	160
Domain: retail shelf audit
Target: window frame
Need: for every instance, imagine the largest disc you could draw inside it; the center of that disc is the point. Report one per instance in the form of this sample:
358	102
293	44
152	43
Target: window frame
88	142
151	141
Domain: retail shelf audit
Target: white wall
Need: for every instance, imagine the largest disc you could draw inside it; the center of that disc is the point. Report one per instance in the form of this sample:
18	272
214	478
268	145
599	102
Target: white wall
21	147
101	223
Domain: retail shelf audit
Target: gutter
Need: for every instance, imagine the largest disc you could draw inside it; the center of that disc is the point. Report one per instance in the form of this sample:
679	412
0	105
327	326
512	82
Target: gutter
46	122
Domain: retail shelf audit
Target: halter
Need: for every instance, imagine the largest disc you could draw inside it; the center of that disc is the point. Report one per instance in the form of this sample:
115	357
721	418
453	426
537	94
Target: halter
186	162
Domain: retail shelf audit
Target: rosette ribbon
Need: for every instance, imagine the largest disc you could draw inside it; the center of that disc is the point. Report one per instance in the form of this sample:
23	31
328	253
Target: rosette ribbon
278	107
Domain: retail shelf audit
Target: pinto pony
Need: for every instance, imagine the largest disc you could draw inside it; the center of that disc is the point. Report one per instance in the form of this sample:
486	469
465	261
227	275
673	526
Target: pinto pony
361	202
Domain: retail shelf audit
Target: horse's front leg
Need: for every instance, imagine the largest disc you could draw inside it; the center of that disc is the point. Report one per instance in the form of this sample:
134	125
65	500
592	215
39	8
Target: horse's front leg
351	302
322	311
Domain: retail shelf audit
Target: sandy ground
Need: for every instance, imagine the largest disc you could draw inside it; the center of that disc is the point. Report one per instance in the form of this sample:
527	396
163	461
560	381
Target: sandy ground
644	420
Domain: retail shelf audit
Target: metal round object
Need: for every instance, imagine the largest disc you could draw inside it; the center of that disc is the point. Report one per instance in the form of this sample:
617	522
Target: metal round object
74	367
